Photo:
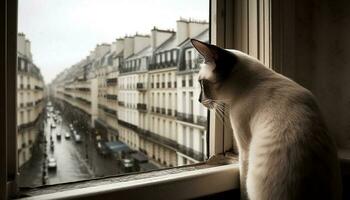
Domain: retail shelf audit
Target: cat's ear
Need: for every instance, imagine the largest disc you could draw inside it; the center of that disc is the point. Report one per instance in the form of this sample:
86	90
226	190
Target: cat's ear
208	51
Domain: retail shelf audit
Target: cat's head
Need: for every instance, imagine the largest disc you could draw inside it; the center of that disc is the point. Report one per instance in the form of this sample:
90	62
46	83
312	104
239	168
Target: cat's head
214	75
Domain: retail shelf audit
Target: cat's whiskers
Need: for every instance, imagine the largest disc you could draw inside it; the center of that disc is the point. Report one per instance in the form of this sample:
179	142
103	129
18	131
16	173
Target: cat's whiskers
219	109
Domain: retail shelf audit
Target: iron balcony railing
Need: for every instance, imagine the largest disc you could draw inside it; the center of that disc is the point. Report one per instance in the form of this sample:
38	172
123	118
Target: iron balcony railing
121	103
185	117
164	141
163	111
111	97
170	112
142	107
111	112
38	88
112	81
141	86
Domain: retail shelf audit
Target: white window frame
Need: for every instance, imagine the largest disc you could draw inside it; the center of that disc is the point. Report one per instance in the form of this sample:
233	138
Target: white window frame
191	184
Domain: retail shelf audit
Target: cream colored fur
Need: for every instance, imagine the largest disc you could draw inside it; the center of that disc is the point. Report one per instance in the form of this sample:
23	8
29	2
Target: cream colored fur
285	150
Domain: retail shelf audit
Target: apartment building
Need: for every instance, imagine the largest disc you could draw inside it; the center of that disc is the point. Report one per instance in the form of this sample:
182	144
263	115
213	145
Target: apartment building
107	76
133	81
145	93
191	115
30	100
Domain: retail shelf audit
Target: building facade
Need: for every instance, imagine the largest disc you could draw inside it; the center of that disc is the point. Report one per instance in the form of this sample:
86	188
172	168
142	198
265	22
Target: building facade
146	93
30	100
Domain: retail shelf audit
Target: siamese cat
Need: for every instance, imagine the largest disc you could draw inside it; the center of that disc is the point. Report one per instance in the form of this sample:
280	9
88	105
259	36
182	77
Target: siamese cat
285	149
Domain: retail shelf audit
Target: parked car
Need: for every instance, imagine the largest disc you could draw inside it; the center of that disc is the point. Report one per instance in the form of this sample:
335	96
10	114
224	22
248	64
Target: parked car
102	148
67	135
128	165
52	147
52	164
77	138
58	135
53	125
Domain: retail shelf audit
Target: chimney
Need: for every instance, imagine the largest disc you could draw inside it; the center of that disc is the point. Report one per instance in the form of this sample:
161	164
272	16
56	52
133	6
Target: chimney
189	29
128	46
141	42
28	51
21	43
119	43
102	49
159	36
182	31
196	27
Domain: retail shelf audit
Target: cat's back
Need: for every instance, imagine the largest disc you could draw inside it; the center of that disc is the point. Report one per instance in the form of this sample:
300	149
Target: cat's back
292	155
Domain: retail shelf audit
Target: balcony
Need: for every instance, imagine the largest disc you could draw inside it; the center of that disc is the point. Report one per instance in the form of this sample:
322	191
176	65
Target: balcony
170	112
111	112
38	88
83	89
112	81
31	123
83	100
141	86
167	142
142	107
111	97
202	121
185	117
38	101
163	111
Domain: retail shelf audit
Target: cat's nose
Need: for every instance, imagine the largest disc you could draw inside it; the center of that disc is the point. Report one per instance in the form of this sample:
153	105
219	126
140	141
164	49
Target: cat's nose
200	98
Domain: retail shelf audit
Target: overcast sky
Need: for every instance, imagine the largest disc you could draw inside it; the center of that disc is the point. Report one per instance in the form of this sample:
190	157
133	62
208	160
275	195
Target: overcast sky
62	32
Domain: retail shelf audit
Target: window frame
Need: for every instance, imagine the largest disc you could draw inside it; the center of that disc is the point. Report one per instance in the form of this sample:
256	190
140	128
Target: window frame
220	137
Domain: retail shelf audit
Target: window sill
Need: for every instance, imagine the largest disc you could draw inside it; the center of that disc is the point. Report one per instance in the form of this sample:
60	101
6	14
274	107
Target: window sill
176	183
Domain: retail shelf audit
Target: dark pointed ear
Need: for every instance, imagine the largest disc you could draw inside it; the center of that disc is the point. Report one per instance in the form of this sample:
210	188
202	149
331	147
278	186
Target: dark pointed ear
208	51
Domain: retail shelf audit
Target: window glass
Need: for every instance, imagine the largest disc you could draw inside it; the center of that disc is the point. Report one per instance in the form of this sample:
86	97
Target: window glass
97	100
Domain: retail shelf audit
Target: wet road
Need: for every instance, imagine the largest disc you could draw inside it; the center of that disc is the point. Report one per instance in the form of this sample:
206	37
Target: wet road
75	161
71	166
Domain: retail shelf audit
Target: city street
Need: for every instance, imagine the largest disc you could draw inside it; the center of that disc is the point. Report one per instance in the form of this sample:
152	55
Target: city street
75	161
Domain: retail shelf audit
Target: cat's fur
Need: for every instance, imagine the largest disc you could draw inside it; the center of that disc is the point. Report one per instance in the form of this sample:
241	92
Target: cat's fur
285	150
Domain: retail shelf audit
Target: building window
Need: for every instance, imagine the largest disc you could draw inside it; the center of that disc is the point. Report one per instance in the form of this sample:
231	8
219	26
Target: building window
86	95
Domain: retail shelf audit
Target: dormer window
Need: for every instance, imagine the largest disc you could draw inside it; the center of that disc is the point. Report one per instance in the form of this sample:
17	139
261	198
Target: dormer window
163	57
174	55
158	58
169	55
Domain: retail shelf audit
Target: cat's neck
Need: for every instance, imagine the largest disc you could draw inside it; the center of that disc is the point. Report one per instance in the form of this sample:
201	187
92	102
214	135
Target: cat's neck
247	76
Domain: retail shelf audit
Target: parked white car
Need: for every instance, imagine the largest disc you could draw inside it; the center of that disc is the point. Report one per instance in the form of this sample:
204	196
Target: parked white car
52	164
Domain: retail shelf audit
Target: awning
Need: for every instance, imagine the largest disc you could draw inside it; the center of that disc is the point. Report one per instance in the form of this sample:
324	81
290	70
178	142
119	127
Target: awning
140	157
116	147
